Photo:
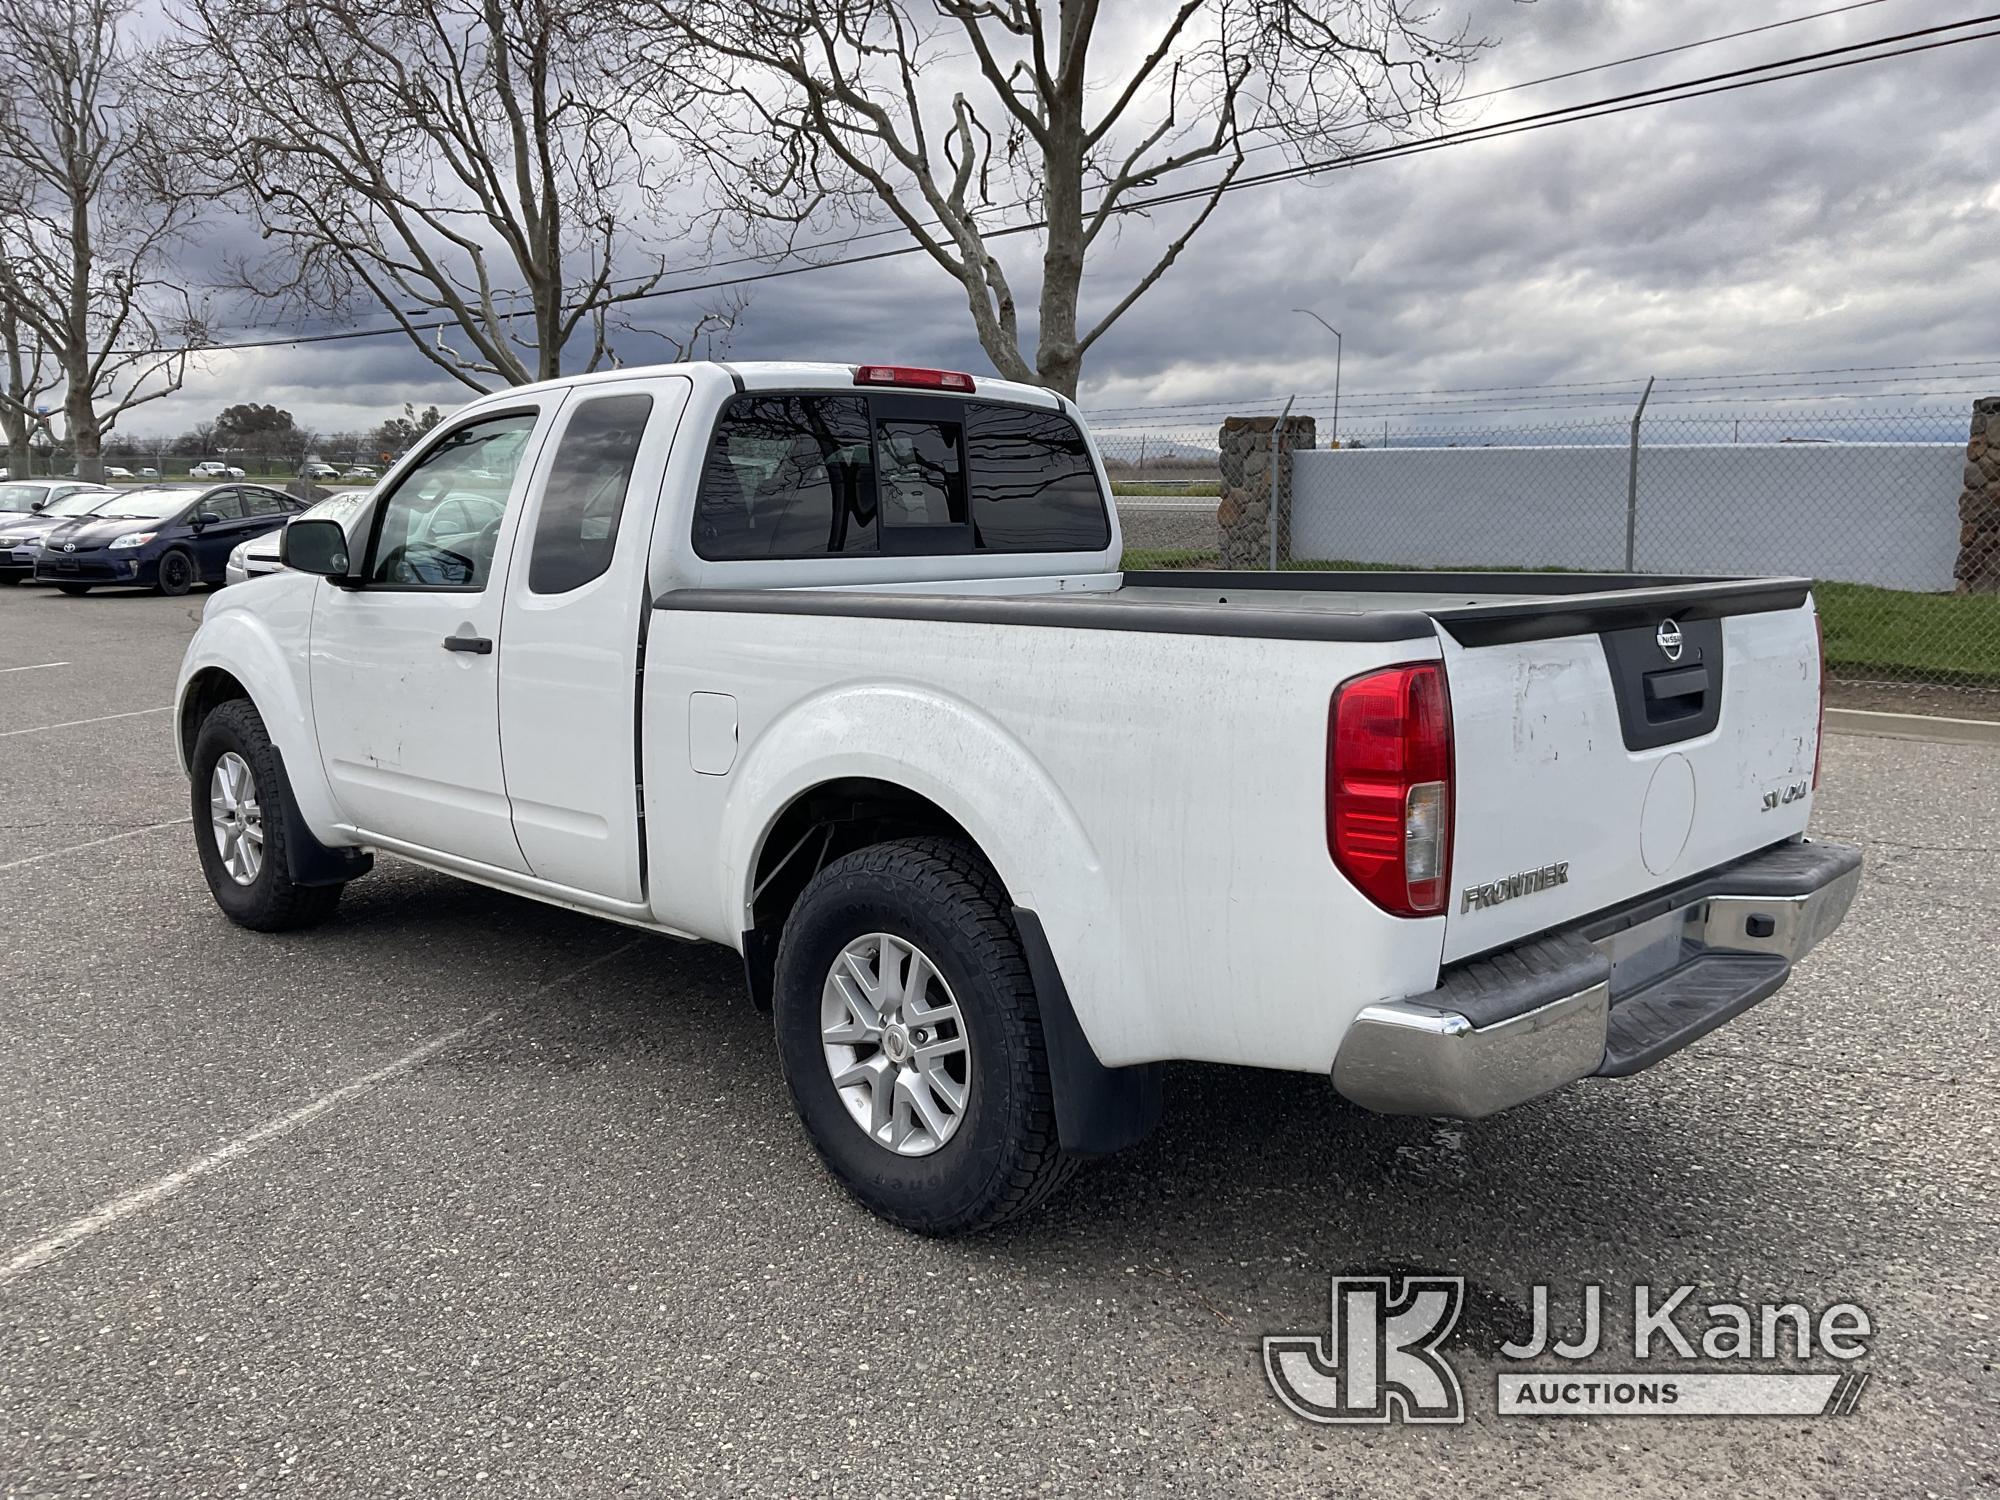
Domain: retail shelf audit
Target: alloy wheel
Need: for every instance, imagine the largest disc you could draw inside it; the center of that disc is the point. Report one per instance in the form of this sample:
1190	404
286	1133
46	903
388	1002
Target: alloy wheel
895	1044
237	818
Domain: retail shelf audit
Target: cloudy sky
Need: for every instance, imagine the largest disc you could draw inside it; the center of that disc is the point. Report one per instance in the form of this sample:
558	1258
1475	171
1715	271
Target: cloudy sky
1842	220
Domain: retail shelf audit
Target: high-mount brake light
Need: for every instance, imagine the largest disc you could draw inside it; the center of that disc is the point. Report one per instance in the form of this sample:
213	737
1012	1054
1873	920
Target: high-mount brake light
1389	787
911	375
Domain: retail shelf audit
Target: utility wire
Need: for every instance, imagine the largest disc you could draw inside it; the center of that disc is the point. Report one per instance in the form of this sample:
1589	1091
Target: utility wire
1492	93
1717	83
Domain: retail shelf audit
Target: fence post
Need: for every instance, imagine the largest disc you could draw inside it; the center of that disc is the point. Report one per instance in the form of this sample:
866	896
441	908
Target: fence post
1277	456
1632	483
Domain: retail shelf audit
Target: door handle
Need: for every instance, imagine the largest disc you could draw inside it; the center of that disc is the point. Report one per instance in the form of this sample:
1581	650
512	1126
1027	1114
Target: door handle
478	645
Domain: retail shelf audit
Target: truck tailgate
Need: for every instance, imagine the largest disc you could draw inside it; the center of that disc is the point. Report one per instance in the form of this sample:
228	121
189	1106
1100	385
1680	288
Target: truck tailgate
1593	766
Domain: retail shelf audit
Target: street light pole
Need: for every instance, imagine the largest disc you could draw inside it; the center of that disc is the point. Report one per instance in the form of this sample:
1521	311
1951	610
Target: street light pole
1336	366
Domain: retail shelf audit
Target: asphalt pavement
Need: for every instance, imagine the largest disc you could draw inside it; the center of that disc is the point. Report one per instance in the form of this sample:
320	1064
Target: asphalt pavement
464	1195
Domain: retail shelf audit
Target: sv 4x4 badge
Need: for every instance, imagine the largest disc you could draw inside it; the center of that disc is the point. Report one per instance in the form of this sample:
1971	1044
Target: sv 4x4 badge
1785	795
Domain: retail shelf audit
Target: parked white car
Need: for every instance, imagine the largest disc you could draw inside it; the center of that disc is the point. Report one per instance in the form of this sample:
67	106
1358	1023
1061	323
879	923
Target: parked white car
359	471
213	469
836	666
259	555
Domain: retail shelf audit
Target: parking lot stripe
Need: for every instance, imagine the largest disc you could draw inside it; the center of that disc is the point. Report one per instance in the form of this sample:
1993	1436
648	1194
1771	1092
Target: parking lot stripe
137	713
40	1252
130	833
36	667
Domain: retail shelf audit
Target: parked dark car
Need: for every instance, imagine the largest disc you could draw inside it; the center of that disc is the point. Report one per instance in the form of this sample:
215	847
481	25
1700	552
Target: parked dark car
160	536
31	508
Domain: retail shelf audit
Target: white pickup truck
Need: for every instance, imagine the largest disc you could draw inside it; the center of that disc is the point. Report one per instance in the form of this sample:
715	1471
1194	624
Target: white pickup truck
836	666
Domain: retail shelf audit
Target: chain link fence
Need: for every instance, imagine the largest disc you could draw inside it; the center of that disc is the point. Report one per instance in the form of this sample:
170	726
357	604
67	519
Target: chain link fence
1891	512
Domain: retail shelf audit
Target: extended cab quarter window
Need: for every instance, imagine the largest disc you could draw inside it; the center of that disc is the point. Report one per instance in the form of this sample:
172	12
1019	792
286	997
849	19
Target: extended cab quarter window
788	476
585	493
817	475
439	529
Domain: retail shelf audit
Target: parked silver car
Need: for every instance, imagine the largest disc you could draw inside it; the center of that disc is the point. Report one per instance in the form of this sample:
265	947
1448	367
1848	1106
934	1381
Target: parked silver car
31	508
260	554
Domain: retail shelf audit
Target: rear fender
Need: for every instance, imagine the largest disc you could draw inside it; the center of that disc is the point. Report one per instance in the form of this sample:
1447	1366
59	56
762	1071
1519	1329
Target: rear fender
938	747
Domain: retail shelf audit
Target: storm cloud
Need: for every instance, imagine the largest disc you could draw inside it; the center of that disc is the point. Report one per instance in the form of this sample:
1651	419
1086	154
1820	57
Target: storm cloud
1844	219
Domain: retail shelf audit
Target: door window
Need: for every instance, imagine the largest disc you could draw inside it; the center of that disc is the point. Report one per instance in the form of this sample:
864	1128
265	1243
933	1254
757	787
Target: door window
263	503
440	527
224	505
585	493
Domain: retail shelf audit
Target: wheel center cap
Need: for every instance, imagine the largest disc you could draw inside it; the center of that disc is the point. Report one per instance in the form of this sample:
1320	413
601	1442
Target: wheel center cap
896	1042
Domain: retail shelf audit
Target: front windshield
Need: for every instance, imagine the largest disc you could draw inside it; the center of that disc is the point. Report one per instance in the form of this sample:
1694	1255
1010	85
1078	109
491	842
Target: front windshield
148	505
20	496
339	508
79	502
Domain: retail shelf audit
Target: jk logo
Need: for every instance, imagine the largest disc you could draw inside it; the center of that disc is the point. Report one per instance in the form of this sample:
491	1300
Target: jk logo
1379	1360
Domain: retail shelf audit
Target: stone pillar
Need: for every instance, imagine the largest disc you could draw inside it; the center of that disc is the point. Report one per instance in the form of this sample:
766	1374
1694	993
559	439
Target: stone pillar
1243	518
1978	569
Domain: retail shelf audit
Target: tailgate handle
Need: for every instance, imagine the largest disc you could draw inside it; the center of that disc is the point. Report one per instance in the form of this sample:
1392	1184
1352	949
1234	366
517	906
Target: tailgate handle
1683	682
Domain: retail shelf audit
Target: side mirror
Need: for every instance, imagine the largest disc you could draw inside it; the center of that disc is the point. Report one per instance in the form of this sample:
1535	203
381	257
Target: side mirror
205	518
314	546
38	504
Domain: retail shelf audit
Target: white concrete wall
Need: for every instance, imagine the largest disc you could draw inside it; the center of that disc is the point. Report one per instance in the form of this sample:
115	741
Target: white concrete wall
1883	513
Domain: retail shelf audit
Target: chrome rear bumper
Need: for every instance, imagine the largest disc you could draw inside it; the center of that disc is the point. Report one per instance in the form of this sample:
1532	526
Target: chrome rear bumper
1609	997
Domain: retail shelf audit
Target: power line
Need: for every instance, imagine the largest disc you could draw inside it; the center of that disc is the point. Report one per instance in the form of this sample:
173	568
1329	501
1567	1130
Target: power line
1717	83
1492	93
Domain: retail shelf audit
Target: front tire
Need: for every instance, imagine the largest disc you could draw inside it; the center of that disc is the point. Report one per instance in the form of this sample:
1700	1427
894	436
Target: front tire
177	574
74	590
911	1040
239	795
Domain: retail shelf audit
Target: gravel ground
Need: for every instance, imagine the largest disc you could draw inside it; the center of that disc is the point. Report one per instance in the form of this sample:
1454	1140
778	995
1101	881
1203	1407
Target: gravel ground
578	1245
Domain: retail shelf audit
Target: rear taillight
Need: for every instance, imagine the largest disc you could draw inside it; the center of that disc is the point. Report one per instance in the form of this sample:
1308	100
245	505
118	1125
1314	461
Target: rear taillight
1819	740
1388	787
911	375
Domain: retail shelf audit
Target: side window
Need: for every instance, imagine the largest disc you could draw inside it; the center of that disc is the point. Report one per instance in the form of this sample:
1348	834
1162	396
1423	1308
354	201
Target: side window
585	494
1033	487
788	476
438	530
226	505
263	503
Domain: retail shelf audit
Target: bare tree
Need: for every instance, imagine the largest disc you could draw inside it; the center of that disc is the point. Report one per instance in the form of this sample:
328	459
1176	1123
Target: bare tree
90	207
468	166
961	117
29	376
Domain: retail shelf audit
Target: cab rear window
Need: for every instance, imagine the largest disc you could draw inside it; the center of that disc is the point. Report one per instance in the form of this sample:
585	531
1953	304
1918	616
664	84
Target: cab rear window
821	475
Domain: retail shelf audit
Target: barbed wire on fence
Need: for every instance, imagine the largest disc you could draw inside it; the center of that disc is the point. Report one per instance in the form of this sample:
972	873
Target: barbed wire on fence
1887	507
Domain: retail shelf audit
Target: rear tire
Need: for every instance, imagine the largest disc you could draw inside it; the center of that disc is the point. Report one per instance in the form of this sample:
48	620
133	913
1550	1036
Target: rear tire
74	590
248	876
177	574
999	1154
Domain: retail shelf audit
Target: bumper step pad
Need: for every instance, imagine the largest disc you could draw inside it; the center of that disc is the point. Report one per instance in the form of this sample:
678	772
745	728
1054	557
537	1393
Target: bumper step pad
1690	1002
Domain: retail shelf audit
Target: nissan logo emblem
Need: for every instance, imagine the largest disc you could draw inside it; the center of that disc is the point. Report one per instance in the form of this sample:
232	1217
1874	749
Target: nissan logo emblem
1669	637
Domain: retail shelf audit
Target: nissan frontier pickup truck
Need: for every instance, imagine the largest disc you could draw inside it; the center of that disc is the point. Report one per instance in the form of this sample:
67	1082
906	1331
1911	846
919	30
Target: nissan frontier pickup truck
836	665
